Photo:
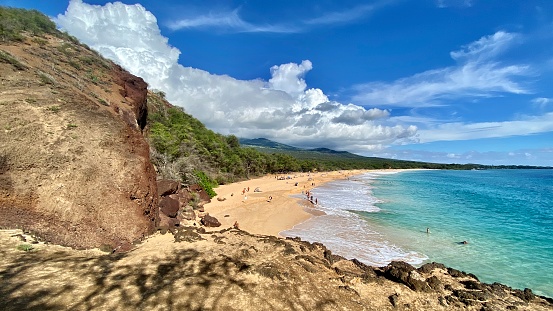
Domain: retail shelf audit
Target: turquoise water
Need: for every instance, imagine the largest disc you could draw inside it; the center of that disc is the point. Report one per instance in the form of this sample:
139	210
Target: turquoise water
506	216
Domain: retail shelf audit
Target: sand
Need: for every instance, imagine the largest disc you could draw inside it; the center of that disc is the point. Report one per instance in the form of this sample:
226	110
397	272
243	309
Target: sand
288	207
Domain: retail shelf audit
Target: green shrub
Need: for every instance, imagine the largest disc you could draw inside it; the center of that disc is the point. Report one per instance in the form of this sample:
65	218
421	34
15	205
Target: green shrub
25	247
74	64
6	57
15	22
54	109
206	183
46	78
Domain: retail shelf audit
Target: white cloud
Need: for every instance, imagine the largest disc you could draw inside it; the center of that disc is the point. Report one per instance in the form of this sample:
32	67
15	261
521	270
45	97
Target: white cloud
468	131
476	74
289	77
517	157
229	21
454	3
282	108
542	102
346	16
485	48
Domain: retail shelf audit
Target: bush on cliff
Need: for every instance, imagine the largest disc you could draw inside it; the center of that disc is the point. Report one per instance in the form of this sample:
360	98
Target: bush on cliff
206	183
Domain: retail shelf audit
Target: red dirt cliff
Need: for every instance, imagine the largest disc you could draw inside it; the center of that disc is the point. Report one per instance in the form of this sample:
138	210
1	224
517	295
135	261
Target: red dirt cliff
74	166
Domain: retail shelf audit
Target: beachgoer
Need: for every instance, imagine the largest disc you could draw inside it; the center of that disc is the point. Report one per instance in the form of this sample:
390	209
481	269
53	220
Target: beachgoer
427	230
248	189
465	242
235	225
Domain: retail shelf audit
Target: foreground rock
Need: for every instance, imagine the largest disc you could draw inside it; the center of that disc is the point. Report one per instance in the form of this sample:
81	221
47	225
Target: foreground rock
233	270
74	165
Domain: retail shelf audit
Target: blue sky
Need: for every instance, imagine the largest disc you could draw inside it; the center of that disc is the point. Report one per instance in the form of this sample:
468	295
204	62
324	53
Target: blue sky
454	81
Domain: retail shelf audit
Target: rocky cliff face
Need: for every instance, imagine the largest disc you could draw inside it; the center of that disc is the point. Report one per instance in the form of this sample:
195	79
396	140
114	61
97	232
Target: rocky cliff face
192	269
74	166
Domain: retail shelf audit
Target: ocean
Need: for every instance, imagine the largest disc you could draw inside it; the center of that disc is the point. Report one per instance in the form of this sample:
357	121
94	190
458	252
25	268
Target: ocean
506	217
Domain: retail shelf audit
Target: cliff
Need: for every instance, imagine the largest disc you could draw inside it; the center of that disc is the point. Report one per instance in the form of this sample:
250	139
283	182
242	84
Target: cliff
74	165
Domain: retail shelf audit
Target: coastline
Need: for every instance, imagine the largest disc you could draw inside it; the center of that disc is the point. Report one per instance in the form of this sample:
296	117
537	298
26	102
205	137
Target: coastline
234	269
288	207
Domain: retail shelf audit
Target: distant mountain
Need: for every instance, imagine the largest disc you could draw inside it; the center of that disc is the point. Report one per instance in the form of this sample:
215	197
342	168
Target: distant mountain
341	159
265	143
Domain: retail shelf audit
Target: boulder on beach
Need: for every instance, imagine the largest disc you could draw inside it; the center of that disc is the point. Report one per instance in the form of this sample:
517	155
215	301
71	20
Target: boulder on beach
169	206
210	221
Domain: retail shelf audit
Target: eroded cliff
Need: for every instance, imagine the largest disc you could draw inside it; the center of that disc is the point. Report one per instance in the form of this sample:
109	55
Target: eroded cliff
74	165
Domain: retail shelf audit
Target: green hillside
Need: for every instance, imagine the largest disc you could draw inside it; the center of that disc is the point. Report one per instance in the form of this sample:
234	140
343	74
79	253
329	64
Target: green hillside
328	159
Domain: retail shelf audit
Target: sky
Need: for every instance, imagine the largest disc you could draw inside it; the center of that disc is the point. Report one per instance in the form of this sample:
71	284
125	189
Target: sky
448	81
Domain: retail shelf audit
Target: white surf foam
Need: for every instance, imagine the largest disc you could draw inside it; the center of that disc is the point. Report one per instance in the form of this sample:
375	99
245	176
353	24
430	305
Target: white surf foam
344	232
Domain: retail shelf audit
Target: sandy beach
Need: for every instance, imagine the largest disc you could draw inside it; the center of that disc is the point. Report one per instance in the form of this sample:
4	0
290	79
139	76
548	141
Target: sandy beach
257	214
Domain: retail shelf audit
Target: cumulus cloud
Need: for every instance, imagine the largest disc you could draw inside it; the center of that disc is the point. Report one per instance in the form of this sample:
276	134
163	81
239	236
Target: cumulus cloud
289	77
282	108
476	74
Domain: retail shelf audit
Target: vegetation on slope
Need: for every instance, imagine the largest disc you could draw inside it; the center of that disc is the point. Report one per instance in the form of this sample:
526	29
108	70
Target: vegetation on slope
182	148
15	22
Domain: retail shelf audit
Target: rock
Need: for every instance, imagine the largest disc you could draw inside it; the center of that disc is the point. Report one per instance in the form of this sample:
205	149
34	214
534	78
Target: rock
169	206
470	297
435	283
429	267
188	213
405	273
471	284
187	235
394	299
164	221
210	221
460	274
525	295
167	187
174	222
135	89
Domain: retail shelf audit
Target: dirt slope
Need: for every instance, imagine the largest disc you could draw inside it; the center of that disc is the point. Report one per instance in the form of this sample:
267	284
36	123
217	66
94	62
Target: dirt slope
74	166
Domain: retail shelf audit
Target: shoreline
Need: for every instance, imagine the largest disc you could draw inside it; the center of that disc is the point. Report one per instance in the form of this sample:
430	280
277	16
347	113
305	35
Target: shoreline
257	215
